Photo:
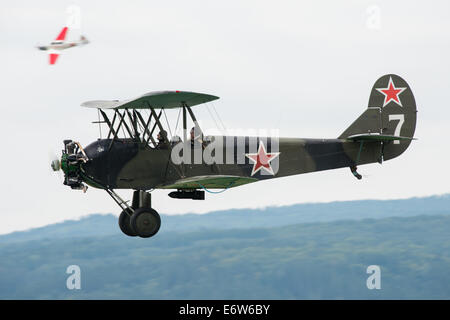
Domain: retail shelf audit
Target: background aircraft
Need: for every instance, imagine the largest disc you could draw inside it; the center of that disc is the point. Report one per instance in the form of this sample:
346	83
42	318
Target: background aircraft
59	44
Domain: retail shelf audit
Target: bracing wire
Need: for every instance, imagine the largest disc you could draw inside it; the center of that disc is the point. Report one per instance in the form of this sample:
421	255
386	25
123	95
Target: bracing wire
146	116
123	130
218	116
141	127
167	121
178	119
212	116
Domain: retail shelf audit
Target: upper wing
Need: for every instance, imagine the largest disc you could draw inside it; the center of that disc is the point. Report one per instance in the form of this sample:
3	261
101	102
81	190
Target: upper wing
208	182
156	99
62	34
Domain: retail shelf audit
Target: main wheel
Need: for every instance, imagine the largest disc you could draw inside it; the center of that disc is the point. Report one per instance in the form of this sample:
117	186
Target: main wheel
146	222
125	223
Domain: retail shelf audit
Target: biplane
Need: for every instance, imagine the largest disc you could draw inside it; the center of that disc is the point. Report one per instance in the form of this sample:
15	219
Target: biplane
138	154
55	47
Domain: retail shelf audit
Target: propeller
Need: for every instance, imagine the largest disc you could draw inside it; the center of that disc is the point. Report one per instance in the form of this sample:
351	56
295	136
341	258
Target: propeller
71	166
55	163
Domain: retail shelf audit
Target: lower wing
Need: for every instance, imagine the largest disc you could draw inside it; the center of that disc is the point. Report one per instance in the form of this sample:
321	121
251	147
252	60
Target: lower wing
53	56
210	182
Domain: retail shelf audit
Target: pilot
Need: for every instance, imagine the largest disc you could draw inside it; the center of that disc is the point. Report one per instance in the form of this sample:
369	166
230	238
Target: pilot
162	140
175	140
193	138
192	133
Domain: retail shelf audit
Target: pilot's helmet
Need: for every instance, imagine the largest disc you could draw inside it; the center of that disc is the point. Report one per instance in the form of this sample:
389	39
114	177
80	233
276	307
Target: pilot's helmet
197	131
162	135
175	140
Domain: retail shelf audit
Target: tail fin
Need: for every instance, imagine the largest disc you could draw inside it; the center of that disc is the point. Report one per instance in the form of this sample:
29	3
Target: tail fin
62	35
390	117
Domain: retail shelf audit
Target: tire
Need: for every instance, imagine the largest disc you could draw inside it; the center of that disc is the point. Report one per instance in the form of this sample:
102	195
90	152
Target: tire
125	224
146	222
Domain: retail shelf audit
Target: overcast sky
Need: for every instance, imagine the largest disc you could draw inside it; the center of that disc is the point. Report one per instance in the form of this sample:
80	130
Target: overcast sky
303	67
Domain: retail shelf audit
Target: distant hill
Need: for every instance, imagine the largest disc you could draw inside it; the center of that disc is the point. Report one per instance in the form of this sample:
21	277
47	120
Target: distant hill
320	260
102	225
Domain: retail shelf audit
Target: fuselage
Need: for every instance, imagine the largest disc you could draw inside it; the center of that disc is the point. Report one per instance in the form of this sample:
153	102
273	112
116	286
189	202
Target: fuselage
127	164
59	45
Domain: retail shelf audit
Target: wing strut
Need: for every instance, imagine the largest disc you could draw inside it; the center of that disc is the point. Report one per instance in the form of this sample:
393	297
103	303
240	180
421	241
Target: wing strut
110	125
122	203
193	118
122	121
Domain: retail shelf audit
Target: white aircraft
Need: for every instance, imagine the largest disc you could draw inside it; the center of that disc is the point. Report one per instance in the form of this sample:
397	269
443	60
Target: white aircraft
55	47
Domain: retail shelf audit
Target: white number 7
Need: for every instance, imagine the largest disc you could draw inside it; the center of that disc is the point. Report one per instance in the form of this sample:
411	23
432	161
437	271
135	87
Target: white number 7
401	120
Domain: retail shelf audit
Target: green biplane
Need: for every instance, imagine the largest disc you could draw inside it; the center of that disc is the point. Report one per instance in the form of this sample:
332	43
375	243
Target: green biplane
138	154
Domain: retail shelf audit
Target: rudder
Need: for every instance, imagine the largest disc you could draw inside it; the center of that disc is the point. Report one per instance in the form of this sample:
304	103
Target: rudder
391	113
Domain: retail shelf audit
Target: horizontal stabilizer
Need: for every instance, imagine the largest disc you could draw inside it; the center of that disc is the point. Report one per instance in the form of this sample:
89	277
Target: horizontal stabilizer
377	137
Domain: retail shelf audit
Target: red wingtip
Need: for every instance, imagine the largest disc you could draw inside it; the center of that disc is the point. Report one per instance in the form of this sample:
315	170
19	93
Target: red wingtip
62	34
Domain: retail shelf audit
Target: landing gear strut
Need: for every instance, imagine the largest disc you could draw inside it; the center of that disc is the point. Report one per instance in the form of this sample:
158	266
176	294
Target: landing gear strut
139	219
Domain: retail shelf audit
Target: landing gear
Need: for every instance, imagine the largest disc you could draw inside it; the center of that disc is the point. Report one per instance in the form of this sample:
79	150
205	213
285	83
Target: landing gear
125	223
139	219
146	222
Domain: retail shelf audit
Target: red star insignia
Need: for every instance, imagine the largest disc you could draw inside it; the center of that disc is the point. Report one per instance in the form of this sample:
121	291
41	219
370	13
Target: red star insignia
391	93
261	160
